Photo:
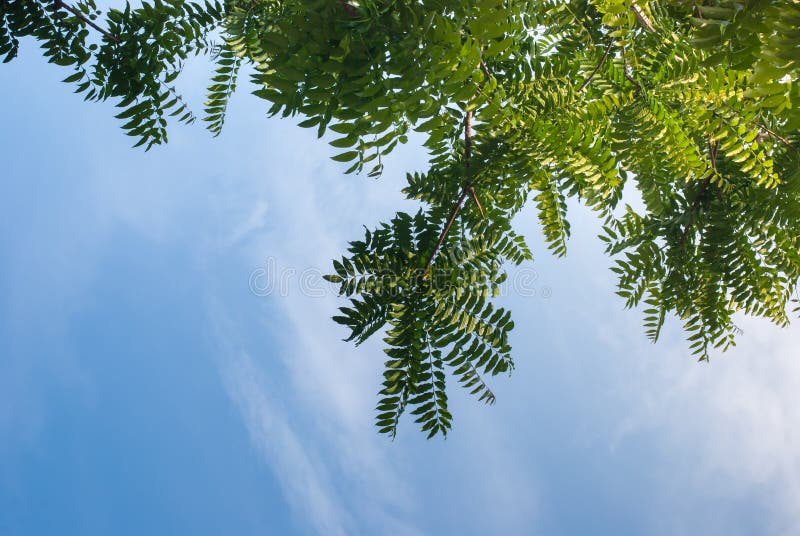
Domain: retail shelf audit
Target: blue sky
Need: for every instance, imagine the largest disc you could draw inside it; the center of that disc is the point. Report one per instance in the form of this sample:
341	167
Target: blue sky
146	389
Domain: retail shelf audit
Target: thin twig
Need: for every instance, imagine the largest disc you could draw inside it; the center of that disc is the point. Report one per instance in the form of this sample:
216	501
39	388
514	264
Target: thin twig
632	80
479	87
464	191
597	68
60	3
642	17
468	158
628	75
780	138
467	139
443	235
486	74
474	197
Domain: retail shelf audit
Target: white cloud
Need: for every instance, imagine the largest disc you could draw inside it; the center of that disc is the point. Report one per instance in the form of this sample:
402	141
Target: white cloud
714	438
728	430
355	484
256	219
332	473
303	477
741	417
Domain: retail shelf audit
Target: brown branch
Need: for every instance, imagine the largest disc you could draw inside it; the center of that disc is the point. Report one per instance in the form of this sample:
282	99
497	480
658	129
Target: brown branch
597	68
631	79
443	235
486	74
628	75
467	189
642	17
780	138
464	191
474	197
467	139
479	87
468	151
60	3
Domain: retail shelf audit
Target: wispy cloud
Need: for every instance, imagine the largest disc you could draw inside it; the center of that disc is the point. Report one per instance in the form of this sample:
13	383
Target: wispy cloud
304	479
341	476
332	474
730	428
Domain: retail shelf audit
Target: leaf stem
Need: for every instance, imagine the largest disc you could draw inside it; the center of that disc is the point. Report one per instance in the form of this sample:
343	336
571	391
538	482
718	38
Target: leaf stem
60	3
642	17
779	138
464	191
474	197
445	230
597	67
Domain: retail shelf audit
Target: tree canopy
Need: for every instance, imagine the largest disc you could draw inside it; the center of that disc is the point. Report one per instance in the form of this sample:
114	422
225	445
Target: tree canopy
692	107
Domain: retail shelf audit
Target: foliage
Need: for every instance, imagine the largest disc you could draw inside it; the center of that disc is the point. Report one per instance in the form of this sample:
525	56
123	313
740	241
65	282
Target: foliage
694	105
139	56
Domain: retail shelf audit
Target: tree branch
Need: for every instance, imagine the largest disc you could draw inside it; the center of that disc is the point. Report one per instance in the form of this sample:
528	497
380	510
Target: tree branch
597	68
474	197
632	80
443	235
468	155
464	191
485	70
642	17
467	139
780	138
60	3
